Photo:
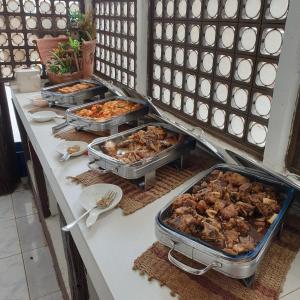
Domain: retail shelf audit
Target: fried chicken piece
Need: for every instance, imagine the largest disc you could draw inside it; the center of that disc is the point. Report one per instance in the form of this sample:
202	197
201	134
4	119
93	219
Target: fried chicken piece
213	221
219	204
170	140
211	197
245	209
185	200
231	237
211	213
202	192
229	224
201	207
212	233
235	179
260	224
242	225
272	203
246	187
184	210
217	186
246	243
189	223
265	209
110	148
229	211
257	187
158	132
196	188
125	143
232	189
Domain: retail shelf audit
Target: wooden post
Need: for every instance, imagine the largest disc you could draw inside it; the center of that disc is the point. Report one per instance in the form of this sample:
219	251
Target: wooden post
9	176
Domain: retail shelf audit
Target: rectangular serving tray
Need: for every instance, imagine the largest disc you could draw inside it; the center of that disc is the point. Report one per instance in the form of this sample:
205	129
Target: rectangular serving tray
140	168
237	266
68	100
111	124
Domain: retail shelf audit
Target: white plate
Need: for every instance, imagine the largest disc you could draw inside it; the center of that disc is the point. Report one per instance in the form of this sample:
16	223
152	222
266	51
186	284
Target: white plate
44	116
62	147
91	194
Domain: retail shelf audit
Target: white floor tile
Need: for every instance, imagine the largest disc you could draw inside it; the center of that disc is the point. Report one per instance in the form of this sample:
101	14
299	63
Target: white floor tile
23	185
12	279
6	208
293	277
23	203
40	273
30	231
9	241
54	296
292	296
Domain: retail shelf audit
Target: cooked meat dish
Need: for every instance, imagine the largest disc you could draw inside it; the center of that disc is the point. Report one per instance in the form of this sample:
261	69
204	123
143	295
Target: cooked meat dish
107	110
142	144
75	88
226	209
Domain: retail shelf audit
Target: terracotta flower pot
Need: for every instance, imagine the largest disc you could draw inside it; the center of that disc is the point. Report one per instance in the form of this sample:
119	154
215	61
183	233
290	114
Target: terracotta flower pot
56	78
46	45
88	53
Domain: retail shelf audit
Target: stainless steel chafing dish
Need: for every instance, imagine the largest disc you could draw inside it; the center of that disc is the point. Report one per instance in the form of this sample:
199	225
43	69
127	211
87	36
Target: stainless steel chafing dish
112	124
242	266
68	100
104	163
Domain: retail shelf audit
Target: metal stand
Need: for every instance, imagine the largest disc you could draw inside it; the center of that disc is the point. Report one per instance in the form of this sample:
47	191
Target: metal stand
114	130
248	282
149	181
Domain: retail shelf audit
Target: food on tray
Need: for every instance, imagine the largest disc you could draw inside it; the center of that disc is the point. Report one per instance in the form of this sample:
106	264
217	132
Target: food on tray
142	144
75	88
107	110
227	210
73	149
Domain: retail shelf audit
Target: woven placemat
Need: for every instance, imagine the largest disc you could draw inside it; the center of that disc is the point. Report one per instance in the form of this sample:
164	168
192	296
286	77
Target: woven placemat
268	284
167	178
83	136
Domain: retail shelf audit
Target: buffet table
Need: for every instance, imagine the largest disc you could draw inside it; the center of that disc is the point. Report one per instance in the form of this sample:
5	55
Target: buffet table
110	247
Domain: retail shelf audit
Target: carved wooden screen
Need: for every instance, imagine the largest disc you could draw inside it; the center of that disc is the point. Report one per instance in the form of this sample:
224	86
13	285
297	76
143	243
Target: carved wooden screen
23	21
214	63
116	40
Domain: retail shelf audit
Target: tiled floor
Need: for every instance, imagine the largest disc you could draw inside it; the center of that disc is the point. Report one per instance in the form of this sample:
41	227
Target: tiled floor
26	269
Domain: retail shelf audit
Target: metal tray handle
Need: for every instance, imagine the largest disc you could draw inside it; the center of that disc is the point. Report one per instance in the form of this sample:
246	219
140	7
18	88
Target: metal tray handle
96	168
189	269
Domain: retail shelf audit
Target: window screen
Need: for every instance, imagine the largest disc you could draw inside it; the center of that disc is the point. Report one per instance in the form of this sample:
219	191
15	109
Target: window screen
214	63
22	22
116	40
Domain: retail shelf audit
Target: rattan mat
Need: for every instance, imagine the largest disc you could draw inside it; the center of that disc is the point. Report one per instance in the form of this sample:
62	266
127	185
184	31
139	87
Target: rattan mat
167	178
85	136
215	286
74	135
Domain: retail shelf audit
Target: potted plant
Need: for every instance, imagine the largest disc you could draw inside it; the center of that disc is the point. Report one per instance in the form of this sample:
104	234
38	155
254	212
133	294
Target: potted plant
71	57
64	64
86	33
